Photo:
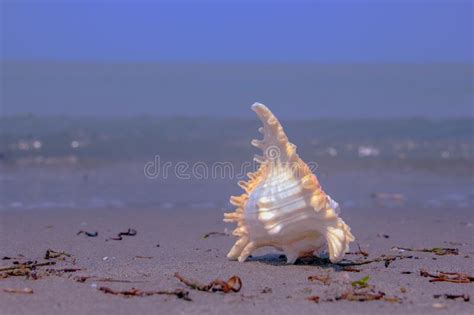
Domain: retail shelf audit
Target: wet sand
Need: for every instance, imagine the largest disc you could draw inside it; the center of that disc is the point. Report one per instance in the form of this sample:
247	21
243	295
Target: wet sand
269	285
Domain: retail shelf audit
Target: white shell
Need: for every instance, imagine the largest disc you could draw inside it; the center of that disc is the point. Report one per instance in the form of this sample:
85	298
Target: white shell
283	205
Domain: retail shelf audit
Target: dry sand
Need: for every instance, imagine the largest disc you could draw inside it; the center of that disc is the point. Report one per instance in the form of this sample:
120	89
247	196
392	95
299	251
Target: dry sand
183	249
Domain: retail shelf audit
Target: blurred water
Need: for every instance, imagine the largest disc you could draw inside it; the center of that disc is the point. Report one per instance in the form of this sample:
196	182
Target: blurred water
78	163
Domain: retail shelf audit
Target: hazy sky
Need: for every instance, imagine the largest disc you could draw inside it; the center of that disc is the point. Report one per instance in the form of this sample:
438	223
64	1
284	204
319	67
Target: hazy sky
268	31
217	58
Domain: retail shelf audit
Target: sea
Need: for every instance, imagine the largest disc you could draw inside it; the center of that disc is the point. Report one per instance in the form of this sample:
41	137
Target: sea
180	162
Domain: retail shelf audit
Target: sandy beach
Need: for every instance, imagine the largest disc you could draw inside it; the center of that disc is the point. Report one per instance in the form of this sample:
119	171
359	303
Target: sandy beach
407	198
168	241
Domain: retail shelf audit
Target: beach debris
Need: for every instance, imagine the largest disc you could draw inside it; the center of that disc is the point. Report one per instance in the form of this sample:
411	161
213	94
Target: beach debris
143	257
361	283
19	291
464	297
27	265
350	269
266	193
313	298
324	279
383	235
180	294
362	291
453	277
63	270
403	289
90	234
99	279
130	232
266	290
233	284
365	295
441	251
207	235
387	259
359	252
52	254
406	272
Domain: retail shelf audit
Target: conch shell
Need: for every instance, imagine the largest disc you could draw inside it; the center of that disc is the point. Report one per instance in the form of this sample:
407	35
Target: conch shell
283	205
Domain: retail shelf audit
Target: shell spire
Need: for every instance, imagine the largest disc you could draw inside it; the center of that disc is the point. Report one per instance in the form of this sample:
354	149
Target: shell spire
283	204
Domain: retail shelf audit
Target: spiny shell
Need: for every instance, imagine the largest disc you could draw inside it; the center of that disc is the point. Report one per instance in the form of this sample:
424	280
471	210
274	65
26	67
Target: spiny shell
283	205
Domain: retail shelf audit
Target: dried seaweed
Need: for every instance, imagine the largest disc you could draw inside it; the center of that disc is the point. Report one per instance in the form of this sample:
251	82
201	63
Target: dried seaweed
180	294
313	298
464	297
386	259
266	290
359	252
90	234
27	265
52	254
233	284
324	279
130	232
98	279
361	296
143	257
350	269
63	270
441	251
453	277
19	291
207	235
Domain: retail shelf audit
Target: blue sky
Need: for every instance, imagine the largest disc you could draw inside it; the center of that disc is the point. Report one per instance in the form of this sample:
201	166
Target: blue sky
239	31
